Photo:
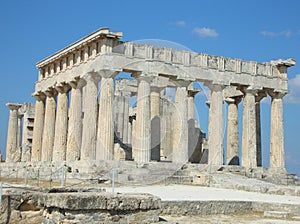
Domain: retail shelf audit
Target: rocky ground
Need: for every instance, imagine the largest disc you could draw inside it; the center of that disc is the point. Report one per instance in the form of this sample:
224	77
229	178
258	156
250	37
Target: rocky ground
222	188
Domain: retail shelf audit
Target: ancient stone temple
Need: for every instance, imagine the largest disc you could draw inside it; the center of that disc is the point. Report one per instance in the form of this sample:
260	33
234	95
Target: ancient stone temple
83	112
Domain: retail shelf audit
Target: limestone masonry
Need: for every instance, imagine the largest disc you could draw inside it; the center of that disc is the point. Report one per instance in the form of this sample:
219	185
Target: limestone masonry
83	113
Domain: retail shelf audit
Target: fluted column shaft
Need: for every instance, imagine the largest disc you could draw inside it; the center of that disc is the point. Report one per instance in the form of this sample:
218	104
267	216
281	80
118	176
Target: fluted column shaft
120	100
12	134
277	131
142	129
180	133
49	125
216	126
249	142
167	129
19	137
61	123
192	138
75	121
36	151
155	123
258	98
89	128
126	117
105	138
232	157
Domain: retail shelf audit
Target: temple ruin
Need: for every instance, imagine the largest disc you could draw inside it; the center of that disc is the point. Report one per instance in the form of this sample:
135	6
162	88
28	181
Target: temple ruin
83	113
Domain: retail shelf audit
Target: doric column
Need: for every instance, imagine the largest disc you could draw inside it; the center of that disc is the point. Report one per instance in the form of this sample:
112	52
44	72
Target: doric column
166	146
36	151
105	137
61	123
49	125
12	134
277	131
192	138
155	122
20	131
75	120
258	98
89	126
125	134
232	157
180	120
120	101
142	130
249	146
216	126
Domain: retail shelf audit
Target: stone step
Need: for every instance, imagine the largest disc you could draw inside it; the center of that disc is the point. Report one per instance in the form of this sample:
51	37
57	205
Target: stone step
179	179
276	214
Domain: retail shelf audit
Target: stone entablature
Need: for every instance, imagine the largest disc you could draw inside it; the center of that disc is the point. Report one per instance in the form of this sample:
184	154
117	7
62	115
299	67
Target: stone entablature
100	41
105	52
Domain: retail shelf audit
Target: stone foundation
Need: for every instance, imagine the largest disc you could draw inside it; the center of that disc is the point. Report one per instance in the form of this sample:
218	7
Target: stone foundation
100	208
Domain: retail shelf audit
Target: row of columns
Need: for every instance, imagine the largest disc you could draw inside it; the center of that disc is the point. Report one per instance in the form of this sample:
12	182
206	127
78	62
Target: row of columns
62	134
57	138
251	128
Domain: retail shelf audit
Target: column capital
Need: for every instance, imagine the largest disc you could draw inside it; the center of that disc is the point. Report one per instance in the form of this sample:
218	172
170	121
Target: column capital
182	83
260	96
215	86
193	92
77	83
40	96
140	76
156	89
233	99
62	87
277	95
248	89
51	92
14	106
107	73
92	76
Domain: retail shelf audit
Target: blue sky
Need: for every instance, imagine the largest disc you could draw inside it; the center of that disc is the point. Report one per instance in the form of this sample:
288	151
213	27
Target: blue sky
251	30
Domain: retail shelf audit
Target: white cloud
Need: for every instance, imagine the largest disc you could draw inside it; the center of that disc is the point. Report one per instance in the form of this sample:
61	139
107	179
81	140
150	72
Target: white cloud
205	32
285	33
294	87
181	23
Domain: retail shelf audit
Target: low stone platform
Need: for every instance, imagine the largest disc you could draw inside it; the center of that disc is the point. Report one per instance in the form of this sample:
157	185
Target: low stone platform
100	208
